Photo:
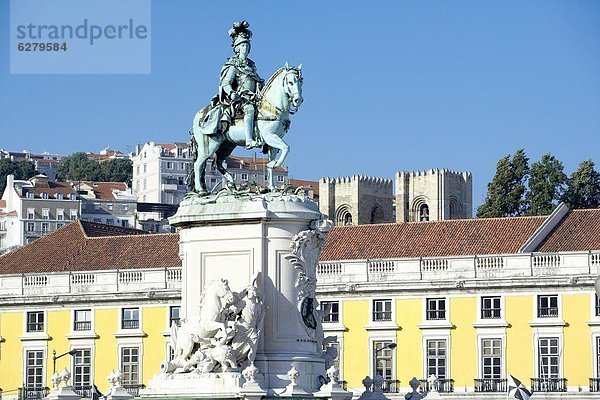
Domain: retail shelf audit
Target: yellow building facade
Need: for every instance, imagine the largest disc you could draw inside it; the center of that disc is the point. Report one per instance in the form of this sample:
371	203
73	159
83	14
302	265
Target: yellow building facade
470	301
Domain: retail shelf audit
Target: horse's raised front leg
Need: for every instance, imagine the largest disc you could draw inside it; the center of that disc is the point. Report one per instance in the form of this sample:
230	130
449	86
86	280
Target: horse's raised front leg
277	143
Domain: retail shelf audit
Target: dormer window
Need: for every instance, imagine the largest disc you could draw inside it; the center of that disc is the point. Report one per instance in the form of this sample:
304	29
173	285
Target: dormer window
29	195
73	196
59	196
44	195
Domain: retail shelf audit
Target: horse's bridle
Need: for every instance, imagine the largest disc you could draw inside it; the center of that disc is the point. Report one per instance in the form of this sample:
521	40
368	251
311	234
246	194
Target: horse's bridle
289	94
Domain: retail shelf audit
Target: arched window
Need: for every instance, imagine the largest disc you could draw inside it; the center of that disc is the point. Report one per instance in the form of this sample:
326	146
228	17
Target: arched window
343	216
377	216
424	212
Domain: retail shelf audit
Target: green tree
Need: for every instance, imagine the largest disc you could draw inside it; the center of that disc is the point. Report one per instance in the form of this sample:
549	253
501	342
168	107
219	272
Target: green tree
547	183
506	192
78	167
20	169
583	189
117	170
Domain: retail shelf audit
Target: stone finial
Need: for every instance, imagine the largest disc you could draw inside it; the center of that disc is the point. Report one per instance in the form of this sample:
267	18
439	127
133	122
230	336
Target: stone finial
65	376
293	375
250	373
55	379
115	378
367	383
333	374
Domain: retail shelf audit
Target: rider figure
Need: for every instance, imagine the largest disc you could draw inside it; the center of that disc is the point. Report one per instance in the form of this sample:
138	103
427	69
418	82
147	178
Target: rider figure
240	83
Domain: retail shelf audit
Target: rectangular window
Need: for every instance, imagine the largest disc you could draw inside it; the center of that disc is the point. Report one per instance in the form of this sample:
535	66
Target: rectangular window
97	220
490	307
45	213
547	306
59	196
436	309
73	215
169	165
124	223
130	365
110	207
244	177
83	320
34	373
125	207
73	196
436	358
491	358
130	318
31	227
30	213
145	169
82	370
96	206
35	321
280	178
45	228
330	311
174	316
59	225
383	359
548	358
60	214
382	310
597	312
110	221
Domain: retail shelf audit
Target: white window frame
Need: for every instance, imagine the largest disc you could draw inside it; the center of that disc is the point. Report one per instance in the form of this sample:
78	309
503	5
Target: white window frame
44	358
338	311
30	224
31	213
73	320
139	346
427	338
83	346
60	214
73	214
536	355
243	176
446	309
280	178
372	311
489	336
379	337
46	214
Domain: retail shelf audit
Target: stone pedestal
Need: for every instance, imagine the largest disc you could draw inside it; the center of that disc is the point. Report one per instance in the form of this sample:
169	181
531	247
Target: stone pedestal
272	237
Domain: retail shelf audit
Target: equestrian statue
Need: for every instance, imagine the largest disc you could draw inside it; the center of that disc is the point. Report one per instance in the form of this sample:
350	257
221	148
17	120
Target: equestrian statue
245	112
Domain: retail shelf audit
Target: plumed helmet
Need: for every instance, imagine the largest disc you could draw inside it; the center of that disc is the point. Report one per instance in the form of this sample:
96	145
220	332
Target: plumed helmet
240	33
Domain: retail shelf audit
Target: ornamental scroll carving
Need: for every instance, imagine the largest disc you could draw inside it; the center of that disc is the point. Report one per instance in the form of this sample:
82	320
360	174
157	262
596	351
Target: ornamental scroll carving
306	249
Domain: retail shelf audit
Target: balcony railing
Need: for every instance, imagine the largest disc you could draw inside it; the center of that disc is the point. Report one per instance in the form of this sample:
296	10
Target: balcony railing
547	312
390	386
82	325
35	393
549	384
35	327
133	390
443	385
382	315
433	315
595	385
111	281
490	313
459	267
130	324
84	391
490	385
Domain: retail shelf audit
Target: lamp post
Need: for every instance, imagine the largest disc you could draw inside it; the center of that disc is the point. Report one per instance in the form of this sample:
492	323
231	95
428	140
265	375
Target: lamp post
390	346
55	357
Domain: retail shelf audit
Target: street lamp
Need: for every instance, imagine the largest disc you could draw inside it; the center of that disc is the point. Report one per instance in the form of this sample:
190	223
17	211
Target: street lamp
390	346
55	357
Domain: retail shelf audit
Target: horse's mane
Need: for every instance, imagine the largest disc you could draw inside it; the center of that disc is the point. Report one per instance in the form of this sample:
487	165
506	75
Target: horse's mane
204	290
271	79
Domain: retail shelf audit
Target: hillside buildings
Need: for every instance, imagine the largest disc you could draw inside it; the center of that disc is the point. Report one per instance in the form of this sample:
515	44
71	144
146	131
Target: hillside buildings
470	300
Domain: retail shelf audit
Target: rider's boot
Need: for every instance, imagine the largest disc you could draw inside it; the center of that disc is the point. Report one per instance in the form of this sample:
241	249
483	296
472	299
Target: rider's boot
249	127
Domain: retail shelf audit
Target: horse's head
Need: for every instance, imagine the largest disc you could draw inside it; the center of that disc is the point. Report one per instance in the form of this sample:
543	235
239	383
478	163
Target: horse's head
224	292
292	86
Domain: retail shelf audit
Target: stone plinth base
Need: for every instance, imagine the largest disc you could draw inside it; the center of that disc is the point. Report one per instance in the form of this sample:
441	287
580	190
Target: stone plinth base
225	385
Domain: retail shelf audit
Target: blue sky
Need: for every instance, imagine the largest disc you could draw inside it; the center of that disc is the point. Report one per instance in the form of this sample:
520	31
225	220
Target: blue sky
387	85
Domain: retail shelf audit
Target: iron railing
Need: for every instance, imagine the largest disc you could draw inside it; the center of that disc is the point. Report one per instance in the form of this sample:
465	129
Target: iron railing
595	385
436	314
549	384
490	385
84	391
547	312
382	315
131	324
443	385
33	393
35	327
133	390
83	325
390	386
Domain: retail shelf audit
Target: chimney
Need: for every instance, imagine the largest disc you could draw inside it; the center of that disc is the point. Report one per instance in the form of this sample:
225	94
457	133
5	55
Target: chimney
10	181
137	149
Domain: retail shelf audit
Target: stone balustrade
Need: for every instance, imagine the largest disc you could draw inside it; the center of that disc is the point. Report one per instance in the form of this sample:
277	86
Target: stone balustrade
90	282
460	268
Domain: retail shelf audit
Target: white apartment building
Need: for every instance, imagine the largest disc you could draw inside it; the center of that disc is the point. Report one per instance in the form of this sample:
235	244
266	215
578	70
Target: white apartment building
111	203
160	172
33	208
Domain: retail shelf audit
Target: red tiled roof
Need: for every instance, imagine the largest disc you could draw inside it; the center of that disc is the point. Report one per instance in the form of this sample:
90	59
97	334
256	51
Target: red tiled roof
88	246
579	230
52	189
306	184
104	190
430	239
